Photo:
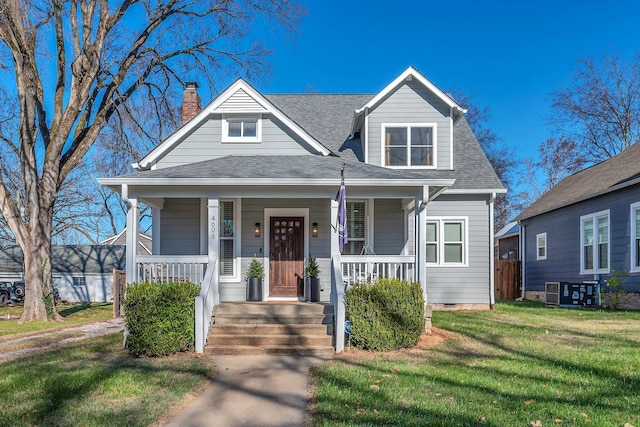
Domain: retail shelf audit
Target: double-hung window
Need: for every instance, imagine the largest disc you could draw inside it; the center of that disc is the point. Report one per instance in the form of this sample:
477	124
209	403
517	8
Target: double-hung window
541	246
635	237
241	129
356	214
227	238
594	240
409	145
446	241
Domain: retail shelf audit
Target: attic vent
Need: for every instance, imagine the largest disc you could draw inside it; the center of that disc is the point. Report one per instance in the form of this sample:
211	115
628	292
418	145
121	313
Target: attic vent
552	293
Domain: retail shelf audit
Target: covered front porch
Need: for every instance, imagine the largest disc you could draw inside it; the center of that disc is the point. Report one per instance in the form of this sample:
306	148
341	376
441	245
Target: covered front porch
207	231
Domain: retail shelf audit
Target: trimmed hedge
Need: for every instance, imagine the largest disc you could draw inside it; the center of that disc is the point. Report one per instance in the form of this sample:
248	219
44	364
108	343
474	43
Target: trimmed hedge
385	315
160	317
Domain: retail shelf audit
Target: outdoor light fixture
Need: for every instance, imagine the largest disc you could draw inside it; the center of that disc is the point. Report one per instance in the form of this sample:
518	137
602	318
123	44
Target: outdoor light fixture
314	229
257	230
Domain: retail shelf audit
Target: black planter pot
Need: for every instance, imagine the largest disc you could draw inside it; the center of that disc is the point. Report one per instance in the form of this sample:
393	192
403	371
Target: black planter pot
254	289
314	289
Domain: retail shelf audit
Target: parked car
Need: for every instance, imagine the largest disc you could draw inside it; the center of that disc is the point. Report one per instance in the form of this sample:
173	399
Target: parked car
17	294
5	292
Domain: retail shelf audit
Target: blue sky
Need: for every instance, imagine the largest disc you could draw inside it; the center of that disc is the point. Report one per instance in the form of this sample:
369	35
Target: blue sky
508	55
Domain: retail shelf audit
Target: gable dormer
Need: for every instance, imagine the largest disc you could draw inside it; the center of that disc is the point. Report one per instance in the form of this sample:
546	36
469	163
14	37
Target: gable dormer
239	121
408	125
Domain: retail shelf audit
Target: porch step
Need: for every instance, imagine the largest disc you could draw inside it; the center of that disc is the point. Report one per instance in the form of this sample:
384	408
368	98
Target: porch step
274	328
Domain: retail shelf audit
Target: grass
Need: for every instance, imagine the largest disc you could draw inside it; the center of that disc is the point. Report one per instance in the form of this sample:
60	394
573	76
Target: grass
97	383
73	314
518	364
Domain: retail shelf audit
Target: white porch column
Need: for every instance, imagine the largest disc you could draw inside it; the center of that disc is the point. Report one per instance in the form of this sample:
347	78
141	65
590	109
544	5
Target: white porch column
133	225
421	243
337	285
213	237
156	219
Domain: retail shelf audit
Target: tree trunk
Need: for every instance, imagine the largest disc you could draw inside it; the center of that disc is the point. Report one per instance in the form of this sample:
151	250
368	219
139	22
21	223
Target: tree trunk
39	304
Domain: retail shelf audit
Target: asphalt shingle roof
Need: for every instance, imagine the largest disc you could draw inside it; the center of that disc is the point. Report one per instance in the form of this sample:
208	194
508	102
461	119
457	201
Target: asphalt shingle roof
593	181
70	259
325	117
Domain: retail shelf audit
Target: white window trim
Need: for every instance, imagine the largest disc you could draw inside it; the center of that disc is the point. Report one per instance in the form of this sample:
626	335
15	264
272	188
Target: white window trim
632	237
368	223
241	139
538	246
237	231
465	242
594	216
434	126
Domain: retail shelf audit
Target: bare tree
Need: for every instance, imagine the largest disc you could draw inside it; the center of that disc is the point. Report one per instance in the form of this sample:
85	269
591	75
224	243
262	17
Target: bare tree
557	158
76	64
501	157
600	110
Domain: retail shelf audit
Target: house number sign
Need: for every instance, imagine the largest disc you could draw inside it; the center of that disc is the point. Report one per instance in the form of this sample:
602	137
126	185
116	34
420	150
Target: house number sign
213	226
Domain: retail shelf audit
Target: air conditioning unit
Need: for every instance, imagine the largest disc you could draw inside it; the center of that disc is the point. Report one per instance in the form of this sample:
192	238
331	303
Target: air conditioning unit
552	293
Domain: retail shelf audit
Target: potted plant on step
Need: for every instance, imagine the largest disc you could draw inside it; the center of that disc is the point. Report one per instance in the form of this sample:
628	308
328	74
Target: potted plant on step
255	274
312	273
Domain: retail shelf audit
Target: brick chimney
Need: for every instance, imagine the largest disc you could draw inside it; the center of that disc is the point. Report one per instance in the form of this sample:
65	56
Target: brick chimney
190	102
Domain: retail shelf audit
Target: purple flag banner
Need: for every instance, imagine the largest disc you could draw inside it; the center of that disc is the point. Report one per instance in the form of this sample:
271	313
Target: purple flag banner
341	198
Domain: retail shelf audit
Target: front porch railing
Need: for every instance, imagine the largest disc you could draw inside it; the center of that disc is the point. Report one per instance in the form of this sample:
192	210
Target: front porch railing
366	268
204	303
166	268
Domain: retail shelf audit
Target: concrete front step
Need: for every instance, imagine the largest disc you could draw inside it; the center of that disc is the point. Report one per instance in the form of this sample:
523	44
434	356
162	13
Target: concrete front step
276	328
270	340
274	308
269	329
276	350
273	319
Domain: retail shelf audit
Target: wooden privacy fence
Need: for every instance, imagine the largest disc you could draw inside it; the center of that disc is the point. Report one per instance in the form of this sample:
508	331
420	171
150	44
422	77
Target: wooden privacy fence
508	283
119	284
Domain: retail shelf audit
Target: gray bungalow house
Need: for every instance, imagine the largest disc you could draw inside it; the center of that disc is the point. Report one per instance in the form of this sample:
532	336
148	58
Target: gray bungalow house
586	228
81	273
252	174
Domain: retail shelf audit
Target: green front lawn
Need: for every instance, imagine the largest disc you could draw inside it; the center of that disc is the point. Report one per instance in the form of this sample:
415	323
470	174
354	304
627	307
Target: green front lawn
73	314
97	383
518	364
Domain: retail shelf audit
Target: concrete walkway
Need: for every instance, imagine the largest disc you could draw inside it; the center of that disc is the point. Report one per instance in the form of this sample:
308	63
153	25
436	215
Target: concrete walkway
252	391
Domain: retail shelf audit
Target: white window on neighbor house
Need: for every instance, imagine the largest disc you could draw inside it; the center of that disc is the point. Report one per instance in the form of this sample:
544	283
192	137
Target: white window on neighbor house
356	228
635	237
228	233
541	246
409	145
78	281
242	129
594	241
447	241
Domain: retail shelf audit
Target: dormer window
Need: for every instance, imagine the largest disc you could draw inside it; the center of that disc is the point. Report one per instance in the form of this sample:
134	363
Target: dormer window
242	129
409	145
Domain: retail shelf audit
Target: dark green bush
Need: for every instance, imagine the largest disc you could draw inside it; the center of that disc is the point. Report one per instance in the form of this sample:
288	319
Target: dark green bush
160	317
385	315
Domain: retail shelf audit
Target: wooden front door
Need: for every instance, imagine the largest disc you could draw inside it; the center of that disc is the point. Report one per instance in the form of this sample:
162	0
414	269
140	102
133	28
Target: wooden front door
286	256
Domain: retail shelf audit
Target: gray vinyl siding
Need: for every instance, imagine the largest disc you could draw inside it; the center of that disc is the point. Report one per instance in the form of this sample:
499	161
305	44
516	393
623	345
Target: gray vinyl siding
411	103
241	102
469	284
388	227
319	247
204	143
180	227
563	242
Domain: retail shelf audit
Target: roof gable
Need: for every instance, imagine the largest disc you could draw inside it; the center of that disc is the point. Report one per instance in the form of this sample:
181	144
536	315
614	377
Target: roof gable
239	97
610	175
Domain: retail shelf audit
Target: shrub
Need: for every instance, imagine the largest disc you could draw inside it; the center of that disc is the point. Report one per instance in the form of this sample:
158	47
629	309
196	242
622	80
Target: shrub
385	315
614	289
160	318
255	270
